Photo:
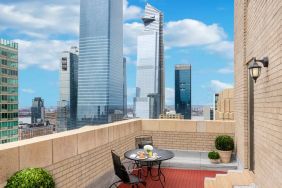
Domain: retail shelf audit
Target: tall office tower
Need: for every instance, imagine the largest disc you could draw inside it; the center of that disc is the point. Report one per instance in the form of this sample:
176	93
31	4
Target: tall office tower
150	83
67	105
100	68
9	91
124	88
183	90
37	110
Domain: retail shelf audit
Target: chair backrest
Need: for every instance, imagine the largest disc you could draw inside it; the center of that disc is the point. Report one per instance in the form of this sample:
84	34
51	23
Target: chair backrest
141	141
120	170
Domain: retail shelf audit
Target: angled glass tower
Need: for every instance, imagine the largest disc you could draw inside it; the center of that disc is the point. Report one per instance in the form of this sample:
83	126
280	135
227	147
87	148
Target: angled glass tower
100	68
183	90
150	94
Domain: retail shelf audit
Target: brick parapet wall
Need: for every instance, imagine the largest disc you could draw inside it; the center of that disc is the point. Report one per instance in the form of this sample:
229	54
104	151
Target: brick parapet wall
187	135
80	157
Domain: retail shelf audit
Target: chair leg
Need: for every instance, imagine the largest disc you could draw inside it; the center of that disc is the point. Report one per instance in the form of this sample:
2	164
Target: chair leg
115	184
144	183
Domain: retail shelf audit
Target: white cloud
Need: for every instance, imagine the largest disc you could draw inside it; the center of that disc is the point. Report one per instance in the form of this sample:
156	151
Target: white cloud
131	31
219	85
189	32
224	47
27	90
229	69
226	70
169	96
131	11
42	53
40	19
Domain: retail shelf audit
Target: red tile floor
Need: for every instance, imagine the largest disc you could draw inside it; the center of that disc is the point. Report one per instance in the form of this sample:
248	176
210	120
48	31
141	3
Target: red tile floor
176	178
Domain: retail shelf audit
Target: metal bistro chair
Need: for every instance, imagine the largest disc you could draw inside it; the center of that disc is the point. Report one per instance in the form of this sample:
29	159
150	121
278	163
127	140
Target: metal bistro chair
125	176
141	141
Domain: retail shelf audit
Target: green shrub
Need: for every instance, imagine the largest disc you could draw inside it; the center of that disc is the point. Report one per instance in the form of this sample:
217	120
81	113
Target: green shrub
31	178
224	143
213	155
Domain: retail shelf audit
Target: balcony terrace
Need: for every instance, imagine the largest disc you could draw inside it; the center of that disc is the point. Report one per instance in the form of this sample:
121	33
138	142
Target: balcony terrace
81	158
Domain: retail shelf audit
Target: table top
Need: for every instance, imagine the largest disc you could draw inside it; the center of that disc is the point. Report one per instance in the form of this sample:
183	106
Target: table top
163	155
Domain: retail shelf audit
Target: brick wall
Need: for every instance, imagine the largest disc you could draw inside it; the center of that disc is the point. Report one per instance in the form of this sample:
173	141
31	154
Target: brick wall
258	33
186	135
81	158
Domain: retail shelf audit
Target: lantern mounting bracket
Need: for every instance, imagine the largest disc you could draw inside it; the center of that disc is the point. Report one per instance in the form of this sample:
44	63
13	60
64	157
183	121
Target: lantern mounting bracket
264	61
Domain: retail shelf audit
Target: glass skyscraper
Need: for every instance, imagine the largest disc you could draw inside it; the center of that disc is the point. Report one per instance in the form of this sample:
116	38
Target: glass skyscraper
9	91
67	106
100	68
37	110
183	90
150	66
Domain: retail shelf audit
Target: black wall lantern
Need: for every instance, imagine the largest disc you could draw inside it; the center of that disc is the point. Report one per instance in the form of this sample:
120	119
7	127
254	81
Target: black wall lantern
255	68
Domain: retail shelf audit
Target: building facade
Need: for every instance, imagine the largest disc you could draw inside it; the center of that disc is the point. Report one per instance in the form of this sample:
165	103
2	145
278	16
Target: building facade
124	88
171	116
150	66
225	105
67	105
100	69
9	91
208	113
258	105
183	97
37	110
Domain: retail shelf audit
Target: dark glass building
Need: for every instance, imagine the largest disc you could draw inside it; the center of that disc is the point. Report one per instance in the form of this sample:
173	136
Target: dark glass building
183	90
37	110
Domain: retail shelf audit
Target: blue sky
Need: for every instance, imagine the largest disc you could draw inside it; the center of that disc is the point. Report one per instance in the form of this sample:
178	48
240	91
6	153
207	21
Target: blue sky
196	32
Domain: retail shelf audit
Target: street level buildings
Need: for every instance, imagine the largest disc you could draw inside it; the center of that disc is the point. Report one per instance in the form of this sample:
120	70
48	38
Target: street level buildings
67	105
183	90
9	91
100	68
150	83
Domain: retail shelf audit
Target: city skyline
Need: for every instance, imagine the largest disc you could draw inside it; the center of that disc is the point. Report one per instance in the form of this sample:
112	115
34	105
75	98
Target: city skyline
207	53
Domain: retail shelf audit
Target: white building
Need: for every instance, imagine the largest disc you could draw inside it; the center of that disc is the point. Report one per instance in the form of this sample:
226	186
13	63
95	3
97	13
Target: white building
150	65
67	105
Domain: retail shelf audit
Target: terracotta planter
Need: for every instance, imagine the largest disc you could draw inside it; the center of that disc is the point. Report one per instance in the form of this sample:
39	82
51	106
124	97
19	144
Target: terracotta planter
215	161
225	156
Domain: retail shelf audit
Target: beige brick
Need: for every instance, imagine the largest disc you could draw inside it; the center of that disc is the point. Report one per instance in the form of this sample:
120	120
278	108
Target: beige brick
102	136
9	163
150	125
167	125
64	147
186	126
38	154
86	141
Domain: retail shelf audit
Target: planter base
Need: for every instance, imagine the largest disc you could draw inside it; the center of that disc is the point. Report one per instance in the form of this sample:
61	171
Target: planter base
225	156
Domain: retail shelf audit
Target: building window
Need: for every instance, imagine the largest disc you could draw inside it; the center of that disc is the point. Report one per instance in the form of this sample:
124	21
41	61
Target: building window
64	64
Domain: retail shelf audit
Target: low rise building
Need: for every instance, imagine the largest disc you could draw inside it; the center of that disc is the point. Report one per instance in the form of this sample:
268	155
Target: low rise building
224	105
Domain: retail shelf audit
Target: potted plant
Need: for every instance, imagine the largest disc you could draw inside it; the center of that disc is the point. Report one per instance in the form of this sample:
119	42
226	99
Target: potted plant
214	157
30	178
225	145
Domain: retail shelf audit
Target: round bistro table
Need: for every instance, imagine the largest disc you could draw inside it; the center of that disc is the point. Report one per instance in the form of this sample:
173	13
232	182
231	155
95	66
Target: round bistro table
163	155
